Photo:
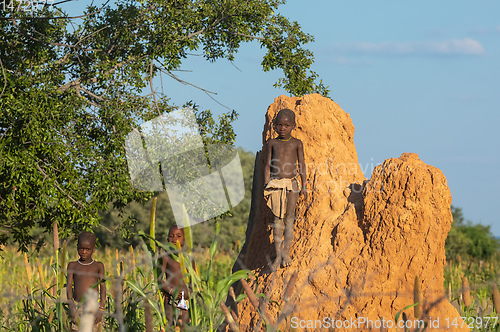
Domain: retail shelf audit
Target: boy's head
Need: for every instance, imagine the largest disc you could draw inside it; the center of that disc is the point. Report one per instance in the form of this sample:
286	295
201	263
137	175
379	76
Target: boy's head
176	234
284	122
286	112
86	245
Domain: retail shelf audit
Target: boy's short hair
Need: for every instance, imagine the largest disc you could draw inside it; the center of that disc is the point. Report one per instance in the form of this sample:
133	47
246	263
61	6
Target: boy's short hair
175	226
87	236
286	112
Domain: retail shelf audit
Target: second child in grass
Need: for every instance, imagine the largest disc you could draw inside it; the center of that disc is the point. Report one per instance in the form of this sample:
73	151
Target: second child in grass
173	281
83	274
283	173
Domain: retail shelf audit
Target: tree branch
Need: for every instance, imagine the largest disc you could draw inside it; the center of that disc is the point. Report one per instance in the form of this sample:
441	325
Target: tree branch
240	34
91	94
55	17
46	42
217	21
4	78
58	187
75	83
78	81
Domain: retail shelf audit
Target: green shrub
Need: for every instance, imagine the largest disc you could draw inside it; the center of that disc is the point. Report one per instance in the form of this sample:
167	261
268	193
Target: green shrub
469	240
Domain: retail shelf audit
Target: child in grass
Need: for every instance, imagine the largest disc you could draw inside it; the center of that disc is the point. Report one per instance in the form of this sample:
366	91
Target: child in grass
173	280
82	275
281	177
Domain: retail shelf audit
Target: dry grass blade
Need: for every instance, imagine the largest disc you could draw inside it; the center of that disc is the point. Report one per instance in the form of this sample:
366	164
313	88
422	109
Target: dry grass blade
148	317
291	286
40	272
229	318
496	297
416	298
28	268
253	299
55	235
466	291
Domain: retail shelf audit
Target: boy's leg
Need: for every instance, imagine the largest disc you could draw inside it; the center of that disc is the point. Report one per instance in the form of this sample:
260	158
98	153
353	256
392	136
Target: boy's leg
278	237
184	317
292	197
97	327
168	311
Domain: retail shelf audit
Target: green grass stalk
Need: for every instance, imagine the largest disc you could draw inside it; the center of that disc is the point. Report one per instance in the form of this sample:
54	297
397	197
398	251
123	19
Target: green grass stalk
156	271
152	225
188	239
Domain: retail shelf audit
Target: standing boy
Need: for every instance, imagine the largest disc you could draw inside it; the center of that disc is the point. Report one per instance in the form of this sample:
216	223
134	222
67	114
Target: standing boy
173	279
281	177
82	275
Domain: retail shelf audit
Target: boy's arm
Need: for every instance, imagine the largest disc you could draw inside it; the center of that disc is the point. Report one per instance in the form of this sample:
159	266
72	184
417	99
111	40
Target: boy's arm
102	293
69	283
102	286
302	168
267	167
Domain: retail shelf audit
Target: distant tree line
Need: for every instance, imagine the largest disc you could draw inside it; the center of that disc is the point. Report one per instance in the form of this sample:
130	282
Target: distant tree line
467	240
112	233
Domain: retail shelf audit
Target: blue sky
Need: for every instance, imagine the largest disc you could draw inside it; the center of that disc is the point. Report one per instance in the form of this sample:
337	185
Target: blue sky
415	76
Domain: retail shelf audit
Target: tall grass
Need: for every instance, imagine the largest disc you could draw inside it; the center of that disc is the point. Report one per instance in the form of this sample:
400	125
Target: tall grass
134	300
471	286
33	289
33	296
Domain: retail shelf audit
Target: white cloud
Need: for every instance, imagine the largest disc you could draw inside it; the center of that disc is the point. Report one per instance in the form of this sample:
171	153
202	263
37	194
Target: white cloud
465	46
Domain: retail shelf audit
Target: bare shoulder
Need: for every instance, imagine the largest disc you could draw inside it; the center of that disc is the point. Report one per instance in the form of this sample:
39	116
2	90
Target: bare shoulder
271	141
71	265
100	265
173	265
168	260
297	142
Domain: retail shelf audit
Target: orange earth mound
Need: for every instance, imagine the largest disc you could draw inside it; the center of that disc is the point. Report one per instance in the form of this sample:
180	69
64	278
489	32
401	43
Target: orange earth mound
358	243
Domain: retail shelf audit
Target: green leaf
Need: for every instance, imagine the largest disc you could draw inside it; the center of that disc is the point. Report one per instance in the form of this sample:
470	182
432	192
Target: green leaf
223	285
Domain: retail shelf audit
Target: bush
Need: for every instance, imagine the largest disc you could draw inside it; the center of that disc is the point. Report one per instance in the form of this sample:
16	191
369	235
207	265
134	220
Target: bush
113	233
467	239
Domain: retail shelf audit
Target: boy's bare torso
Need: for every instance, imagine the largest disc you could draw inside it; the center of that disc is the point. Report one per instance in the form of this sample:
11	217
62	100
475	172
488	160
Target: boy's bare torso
84	276
284	158
173	273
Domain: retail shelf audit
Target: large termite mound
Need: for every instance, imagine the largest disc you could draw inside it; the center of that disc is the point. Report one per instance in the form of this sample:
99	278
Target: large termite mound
359	245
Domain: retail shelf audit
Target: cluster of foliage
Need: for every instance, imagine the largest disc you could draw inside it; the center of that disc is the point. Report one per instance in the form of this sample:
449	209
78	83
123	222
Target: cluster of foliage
233	225
466	239
71	90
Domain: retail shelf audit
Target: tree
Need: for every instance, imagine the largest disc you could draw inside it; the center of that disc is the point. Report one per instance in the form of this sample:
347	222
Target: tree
466	239
233	225
71	93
